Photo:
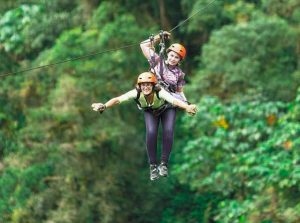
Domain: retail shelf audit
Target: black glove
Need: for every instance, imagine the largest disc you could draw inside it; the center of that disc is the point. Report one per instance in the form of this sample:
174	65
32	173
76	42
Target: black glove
102	108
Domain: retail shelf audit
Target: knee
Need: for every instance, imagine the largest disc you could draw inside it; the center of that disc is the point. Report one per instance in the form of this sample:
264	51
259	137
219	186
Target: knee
151	132
168	132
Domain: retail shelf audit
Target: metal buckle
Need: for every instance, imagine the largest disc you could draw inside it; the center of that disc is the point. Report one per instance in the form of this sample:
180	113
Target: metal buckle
164	85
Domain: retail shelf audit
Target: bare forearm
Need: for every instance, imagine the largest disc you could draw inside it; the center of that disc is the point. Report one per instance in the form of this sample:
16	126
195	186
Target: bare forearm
147	47
191	109
180	104
147	42
112	102
181	93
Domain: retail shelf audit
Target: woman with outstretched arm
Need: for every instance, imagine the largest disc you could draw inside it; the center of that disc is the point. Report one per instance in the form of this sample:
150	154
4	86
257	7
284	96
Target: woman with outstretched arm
154	101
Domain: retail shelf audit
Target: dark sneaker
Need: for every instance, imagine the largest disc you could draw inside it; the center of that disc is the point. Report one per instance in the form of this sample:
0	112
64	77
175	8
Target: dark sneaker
163	169
153	172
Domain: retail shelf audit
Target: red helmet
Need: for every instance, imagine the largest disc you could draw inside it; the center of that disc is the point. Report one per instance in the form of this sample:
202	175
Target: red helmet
177	48
146	77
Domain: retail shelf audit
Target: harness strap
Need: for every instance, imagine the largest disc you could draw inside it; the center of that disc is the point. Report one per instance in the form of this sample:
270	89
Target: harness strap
137	99
160	77
148	108
157	95
152	54
161	55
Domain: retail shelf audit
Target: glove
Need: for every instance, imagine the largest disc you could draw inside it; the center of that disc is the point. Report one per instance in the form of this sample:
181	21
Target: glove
99	107
102	108
165	34
192	109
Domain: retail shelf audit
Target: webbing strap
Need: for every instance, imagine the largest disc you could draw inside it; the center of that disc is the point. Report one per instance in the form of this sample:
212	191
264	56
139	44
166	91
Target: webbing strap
161	54
139	95
152	54
162	64
137	101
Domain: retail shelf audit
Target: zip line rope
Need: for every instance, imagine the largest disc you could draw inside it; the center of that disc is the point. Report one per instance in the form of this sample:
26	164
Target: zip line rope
69	60
101	52
195	13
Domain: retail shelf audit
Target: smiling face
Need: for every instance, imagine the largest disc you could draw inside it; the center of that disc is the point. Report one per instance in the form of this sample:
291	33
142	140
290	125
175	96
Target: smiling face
147	88
173	58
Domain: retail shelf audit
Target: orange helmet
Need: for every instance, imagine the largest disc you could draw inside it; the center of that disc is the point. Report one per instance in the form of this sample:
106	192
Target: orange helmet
177	48
146	77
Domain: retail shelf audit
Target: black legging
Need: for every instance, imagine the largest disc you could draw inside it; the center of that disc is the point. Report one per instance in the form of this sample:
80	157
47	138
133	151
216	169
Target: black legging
167	119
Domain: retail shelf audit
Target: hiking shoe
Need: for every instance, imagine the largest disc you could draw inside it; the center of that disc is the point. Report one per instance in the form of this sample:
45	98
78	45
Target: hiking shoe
153	172
163	169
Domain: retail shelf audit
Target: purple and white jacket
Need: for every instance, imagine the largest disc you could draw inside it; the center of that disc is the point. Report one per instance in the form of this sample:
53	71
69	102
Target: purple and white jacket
170	75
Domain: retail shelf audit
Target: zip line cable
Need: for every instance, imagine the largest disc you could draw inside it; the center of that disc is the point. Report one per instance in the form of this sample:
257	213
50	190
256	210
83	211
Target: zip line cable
69	60
195	13
101	52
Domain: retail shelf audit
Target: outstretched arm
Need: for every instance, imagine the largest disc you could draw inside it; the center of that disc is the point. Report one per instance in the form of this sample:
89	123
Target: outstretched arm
114	101
101	107
191	109
180	91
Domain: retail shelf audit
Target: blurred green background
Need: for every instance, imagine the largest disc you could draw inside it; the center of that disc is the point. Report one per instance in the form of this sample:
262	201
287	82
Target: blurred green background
237	161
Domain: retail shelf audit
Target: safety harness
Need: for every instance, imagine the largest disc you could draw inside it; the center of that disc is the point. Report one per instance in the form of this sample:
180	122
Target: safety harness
162	64
154	111
161	81
137	99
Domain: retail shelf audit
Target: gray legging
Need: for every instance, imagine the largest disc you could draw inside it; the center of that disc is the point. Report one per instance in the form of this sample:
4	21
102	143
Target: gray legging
167	119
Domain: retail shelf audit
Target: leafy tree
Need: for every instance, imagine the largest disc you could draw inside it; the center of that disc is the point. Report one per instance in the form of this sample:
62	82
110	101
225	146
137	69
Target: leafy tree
60	162
59	122
287	9
258	56
248	153
30	28
11	26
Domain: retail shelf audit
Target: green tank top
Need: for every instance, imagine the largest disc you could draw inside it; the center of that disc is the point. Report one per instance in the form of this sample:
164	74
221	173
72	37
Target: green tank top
157	102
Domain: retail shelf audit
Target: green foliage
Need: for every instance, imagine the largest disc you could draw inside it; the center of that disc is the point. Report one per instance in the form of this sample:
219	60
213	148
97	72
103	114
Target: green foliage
235	162
17	185
216	13
12	25
29	28
288	9
58	114
187	206
244	151
6	62
247	56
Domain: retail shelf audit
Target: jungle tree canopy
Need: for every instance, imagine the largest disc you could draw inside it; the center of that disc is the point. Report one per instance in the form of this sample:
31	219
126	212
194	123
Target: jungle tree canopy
238	160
